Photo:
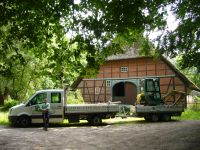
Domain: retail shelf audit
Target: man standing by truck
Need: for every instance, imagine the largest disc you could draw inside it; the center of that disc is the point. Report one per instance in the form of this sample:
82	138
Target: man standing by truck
45	113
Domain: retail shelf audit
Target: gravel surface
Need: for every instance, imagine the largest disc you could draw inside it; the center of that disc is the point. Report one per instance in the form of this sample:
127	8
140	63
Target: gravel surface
174	135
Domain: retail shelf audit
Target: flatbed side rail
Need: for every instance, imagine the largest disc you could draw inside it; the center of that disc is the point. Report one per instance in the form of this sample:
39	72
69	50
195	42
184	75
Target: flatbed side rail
159	109
92	108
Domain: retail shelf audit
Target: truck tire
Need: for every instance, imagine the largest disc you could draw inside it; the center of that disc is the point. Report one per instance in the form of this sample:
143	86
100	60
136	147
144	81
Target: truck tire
154	118
166	117
24	121
147	118
96	120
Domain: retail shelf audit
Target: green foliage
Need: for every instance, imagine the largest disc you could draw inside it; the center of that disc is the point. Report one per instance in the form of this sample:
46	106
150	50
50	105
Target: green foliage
75	97
184	39
48	44
197	98
4	118
9	103
192	73
191	113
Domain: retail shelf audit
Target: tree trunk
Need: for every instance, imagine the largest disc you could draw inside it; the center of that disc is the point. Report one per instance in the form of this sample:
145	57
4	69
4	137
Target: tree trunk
1	99
4	95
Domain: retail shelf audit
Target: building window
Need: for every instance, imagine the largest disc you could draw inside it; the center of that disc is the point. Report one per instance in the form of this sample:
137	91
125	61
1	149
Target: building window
124	69
97	90
108	83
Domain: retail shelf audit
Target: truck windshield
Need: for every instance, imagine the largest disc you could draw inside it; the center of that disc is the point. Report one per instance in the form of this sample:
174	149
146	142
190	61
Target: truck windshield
150	86
38	99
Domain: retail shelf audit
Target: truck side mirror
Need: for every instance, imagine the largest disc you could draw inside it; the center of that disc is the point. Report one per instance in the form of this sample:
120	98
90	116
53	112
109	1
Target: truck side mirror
28	104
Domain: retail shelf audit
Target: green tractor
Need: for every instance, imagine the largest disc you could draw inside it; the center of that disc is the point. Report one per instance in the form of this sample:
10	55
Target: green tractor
150	92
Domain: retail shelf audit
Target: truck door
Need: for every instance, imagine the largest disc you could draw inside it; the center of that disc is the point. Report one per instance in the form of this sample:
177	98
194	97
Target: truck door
36	114
56	112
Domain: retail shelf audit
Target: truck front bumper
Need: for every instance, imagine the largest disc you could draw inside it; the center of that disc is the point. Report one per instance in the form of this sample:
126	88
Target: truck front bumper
12	119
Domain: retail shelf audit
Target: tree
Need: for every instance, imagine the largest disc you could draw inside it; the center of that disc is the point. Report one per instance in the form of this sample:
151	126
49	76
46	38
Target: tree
191	73
34	45
184	40
65	39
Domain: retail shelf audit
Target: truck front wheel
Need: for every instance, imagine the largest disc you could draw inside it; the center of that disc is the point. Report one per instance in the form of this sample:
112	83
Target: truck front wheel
24	121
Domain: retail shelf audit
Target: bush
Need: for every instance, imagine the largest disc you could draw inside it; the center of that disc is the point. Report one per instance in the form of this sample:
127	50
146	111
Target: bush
197	99
194	107
9	103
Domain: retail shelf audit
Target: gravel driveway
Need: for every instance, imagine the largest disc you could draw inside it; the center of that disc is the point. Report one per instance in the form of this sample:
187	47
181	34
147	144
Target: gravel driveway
174	135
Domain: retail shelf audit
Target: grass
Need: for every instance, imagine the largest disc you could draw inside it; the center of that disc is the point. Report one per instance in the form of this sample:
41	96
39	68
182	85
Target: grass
118	120
4	118
191	113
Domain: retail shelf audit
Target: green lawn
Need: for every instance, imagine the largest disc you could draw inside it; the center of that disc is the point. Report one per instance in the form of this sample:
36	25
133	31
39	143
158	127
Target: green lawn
192	113
4	118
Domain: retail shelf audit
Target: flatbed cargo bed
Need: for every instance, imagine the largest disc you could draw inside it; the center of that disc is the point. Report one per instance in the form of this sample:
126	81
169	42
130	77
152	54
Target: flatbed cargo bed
91	108
159	109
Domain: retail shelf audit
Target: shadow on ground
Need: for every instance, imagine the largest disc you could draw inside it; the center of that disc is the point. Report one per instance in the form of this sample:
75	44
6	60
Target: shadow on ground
105	123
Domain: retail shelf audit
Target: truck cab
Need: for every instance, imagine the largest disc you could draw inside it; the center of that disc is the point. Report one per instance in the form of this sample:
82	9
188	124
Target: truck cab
28	112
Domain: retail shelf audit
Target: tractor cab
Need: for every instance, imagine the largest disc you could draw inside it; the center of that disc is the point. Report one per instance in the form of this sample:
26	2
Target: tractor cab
150	92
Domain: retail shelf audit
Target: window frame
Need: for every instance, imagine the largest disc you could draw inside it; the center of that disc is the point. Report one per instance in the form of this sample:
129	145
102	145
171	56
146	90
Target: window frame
108	83
97	90
124	69
37	101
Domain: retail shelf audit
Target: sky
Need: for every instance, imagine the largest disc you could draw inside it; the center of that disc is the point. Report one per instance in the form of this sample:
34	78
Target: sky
172	24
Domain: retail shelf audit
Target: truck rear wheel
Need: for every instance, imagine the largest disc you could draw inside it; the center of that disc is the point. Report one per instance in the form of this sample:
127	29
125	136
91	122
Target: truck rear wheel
147	118
24	121
154	118
96	120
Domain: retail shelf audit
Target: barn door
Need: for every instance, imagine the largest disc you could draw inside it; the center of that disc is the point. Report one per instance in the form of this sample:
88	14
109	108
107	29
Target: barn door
125	92
130	93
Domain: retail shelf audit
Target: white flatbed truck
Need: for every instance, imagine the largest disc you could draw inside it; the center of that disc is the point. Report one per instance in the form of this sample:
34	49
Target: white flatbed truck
26	113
